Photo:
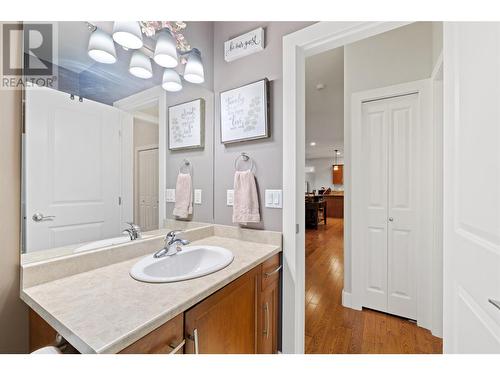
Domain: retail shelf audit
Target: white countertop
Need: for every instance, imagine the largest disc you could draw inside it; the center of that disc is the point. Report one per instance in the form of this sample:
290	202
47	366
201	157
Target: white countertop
104	310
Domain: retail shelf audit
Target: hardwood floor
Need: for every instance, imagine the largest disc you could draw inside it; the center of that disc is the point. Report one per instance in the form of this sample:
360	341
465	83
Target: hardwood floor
332	328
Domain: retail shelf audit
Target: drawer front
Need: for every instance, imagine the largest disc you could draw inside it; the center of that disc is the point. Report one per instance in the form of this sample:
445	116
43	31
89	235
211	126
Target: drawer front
165	339
271	270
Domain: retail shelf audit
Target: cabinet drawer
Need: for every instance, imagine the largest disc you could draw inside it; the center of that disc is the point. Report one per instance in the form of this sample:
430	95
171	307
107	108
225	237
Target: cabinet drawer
163	340
271	270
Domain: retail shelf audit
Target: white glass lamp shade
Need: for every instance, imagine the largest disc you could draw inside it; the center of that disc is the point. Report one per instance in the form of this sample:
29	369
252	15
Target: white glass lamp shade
140	65
128	34
101	47
194	68
166	50
171	81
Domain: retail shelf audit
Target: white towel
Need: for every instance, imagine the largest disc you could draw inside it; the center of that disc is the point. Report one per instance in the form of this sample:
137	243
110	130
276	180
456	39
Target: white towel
183	196
246	201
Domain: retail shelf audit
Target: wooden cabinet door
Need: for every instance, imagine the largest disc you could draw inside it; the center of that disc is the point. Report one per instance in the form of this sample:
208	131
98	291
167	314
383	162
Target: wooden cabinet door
338	175
226	321
166	339
269	306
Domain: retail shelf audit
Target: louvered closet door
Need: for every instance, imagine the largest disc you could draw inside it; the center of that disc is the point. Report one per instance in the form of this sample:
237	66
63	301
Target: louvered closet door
389	144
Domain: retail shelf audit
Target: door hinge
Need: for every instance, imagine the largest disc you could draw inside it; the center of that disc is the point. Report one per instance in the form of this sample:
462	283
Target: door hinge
119	201
297	228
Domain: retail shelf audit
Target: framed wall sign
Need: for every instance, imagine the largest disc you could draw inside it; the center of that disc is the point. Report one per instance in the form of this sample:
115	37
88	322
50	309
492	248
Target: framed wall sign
244	113
244	45
186	125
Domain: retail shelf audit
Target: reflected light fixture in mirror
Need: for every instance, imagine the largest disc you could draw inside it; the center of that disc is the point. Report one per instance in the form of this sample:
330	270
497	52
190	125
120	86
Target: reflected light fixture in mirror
171	80
101	47
140	65
166	50
128	34
194	67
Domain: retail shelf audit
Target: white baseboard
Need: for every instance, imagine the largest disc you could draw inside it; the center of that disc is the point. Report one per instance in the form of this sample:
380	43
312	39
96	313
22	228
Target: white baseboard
347	301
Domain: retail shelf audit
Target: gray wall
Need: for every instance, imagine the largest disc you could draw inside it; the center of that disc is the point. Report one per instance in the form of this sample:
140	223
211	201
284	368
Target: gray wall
13	312
397	56
267	153
322	175
200	35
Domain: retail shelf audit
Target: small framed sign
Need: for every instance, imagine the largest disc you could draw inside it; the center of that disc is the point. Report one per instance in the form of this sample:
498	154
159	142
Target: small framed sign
244	112
186	125
244	45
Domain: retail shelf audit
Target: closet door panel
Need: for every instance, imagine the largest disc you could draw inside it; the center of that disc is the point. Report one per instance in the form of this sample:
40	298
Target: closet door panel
402	161
375	235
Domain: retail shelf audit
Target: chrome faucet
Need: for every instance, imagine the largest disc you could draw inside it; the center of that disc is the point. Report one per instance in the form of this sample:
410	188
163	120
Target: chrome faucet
171	241
134	231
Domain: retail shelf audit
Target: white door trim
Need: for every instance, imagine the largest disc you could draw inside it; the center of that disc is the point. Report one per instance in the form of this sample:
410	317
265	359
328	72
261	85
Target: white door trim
425	196
136	177
144	99
311	40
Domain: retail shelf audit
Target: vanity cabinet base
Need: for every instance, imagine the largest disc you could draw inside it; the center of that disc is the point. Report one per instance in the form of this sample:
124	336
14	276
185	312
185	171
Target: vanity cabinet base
242	317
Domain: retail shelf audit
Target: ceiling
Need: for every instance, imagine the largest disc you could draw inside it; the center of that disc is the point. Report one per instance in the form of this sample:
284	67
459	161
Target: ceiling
325	106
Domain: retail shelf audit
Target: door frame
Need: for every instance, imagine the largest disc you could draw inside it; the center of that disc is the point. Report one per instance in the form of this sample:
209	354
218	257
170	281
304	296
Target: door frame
136	177
136	102
426	196
314	39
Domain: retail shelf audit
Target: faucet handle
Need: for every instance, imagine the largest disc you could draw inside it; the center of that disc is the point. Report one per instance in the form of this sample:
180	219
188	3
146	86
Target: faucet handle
171	235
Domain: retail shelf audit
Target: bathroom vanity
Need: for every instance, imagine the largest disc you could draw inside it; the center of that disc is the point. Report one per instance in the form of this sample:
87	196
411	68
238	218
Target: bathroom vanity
98	307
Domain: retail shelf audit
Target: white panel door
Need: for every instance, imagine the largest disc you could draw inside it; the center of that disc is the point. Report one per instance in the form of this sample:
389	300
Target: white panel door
72	170
148	189
402	196
389	142
471	188
374	123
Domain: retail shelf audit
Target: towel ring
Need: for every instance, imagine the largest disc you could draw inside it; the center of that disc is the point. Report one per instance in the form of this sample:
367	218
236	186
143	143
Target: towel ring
186	164
244	156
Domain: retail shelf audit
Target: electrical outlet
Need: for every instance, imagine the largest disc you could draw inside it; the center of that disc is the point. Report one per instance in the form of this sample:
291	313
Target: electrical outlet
197	196
230	197
170	195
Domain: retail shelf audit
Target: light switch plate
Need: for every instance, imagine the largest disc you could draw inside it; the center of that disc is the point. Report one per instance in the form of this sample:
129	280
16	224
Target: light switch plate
171	195
274	198
197	196
230	197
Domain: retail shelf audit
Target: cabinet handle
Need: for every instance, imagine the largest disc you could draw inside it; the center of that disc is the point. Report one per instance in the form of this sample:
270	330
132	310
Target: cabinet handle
194	337
267	274
175	349
266	326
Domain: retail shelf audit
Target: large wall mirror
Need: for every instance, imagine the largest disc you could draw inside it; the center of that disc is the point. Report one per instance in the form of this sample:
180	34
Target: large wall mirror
96	150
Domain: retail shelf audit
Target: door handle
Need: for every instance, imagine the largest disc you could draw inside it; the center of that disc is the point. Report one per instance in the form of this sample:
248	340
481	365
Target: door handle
38	216
266	326
494	303
194	337
267	274
175	349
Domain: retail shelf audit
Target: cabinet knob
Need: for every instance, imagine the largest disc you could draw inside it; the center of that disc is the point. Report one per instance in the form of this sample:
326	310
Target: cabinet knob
391	219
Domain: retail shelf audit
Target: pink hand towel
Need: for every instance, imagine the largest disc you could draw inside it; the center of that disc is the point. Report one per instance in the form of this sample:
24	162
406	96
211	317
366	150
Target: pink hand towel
183	196
246	201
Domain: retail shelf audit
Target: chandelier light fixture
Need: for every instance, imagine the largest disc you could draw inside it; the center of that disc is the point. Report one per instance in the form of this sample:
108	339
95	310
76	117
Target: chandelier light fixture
171	50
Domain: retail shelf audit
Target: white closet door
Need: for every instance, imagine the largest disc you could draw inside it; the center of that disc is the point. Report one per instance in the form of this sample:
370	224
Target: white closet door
402	196
374	122
389	142
72	169
148	189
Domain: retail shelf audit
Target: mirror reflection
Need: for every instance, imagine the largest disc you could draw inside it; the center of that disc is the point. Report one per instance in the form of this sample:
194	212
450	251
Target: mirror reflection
100	165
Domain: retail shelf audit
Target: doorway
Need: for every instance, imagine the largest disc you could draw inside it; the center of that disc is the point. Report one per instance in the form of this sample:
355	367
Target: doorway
389	287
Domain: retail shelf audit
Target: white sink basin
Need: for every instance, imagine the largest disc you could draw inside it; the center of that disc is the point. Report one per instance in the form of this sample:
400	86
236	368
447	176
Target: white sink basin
191	262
